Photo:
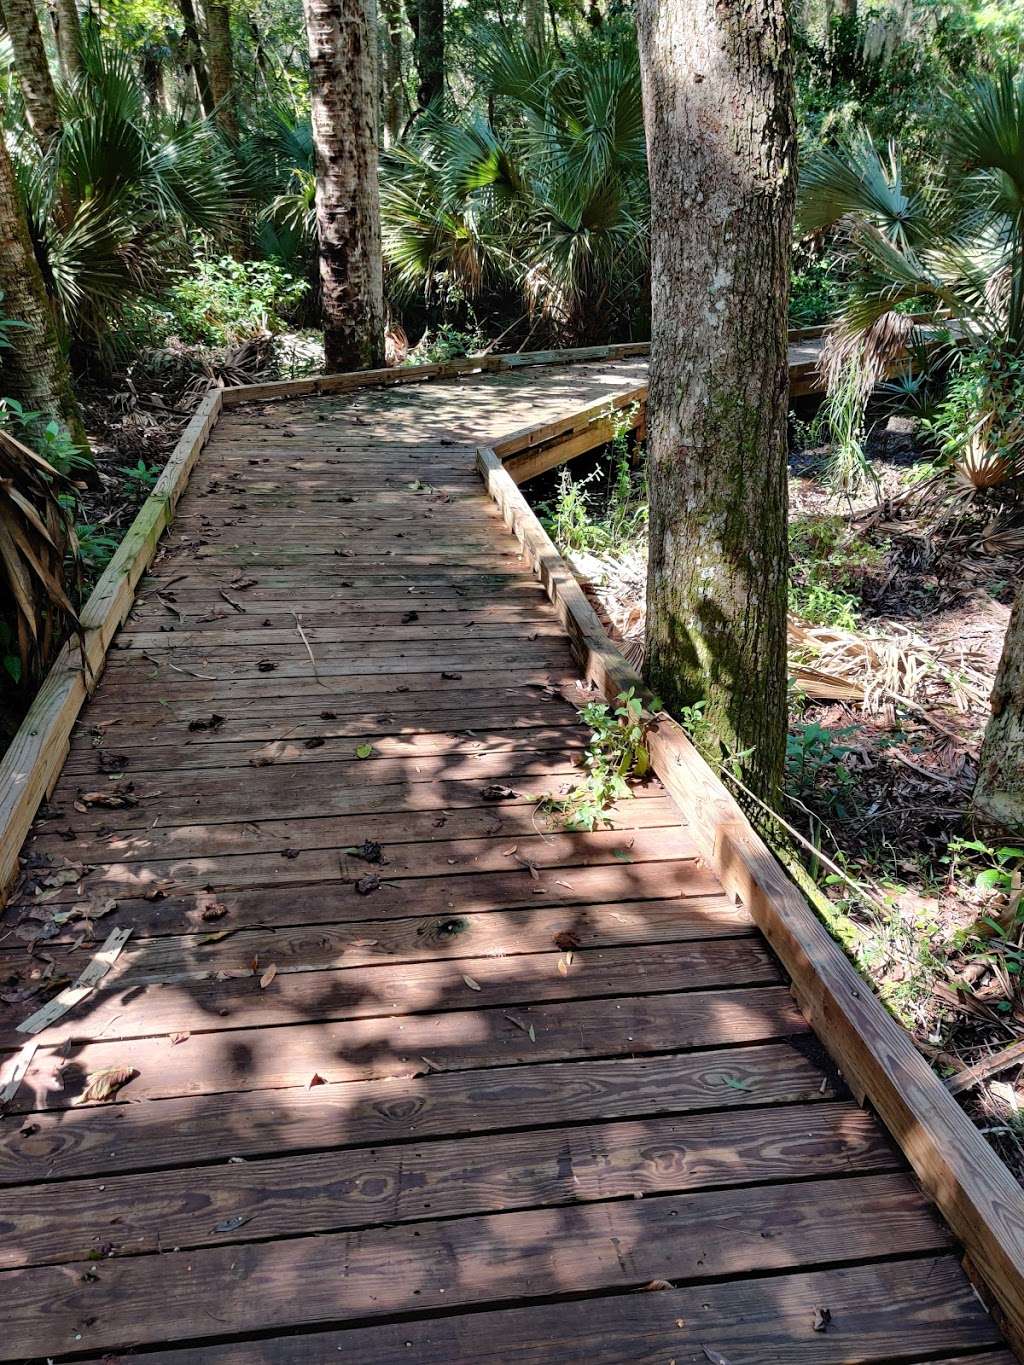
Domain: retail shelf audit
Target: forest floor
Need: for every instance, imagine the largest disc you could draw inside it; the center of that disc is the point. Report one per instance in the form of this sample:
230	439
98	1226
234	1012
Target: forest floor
900	598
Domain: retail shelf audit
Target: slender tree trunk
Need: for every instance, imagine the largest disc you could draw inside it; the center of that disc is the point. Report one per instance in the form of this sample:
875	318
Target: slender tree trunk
999	794
342	38
33	69
718	104
196	61
67	28
533	21
426	19
393	89
34	369
221	65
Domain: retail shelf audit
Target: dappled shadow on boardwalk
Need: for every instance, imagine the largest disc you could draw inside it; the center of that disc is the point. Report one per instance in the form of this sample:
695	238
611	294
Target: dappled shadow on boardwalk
503	1065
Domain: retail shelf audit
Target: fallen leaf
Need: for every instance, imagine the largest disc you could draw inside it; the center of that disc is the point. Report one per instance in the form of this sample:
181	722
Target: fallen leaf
232	1224
566	940
104	1085
215	910
268	976
452	677
315	1079
369	851
176	1038
564	963
473	985
714	1356
364	750
655	1285
96	909
366	885
822	1318
315	742
266	665
214	723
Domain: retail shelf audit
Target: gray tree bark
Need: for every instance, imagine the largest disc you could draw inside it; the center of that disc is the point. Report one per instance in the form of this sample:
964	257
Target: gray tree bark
533	21
34	369
33	70
718	104
393	90
999	793
68	31
342	38
196	60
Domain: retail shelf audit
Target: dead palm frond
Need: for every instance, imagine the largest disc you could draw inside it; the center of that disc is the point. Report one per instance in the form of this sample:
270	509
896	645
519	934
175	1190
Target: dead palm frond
38	551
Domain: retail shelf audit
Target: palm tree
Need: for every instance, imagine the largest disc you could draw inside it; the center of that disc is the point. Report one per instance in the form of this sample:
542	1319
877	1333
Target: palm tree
106	200
221	65
549	195
33	368
948	244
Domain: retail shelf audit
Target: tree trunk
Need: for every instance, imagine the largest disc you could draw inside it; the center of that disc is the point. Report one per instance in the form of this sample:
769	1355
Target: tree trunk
33	370
196	61
393	89
718	105
999	794
33	69
426	19
67	28
533	21
221	65
342	38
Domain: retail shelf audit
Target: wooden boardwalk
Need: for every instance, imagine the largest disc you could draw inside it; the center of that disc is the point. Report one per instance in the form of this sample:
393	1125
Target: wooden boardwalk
415	1075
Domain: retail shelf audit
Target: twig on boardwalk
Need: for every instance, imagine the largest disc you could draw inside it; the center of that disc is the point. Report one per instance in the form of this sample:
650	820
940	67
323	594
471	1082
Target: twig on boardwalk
309	648
89	978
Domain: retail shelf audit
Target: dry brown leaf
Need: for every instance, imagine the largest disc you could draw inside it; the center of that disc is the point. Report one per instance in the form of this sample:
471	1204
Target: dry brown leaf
179	1038
654	1285
473	985
104	1085
315	1079
268	976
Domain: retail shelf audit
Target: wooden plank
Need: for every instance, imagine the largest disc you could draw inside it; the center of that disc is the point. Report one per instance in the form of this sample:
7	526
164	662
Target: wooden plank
33	759
974	1190
880	1313
456	1040
328	1191
498	1258
118	1138
231	999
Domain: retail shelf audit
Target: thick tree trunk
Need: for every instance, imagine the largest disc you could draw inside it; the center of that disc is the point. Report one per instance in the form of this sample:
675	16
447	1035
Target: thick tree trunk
33	370
194	50
999	794
718	103
342	38
67	28
33	69
221	65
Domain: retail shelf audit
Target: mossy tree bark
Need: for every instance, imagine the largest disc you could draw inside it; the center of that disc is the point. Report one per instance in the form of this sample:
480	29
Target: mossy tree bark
343	77
718	104
533	21
999	793
34	369
33	70
220	63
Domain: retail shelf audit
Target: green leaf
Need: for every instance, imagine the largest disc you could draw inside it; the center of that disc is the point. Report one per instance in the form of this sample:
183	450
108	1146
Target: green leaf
364	750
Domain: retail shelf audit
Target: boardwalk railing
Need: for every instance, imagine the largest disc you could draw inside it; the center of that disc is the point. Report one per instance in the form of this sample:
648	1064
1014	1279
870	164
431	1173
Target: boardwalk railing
981	1201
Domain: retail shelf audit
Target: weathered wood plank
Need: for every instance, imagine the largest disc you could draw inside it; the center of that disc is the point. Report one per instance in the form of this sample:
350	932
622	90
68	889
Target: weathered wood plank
903	1310
328	1191
117	1138
460	1040
499	1258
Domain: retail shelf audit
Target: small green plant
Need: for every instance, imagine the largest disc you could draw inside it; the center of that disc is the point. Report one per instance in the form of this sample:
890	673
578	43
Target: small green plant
828	569
815	764
446	343
47	438
995	869
846	468
978	427
223	301
141	476
617	751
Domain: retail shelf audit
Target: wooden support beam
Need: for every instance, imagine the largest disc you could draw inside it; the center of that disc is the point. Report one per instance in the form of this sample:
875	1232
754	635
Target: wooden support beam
37	752
978	1196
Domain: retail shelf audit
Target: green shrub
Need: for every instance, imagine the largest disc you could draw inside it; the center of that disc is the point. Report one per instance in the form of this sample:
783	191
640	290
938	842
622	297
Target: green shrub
224	301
